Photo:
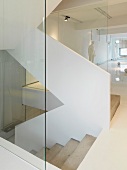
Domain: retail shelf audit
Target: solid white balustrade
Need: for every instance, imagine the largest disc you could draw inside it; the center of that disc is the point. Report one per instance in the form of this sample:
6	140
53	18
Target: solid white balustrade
81	86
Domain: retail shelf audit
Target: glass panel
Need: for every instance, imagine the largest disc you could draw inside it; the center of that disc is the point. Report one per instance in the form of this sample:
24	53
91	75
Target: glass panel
117	38
118	64
22	76
77	46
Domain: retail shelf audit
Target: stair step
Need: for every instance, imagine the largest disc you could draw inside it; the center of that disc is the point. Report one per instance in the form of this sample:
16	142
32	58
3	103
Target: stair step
41	153
63	155
53	152
78	155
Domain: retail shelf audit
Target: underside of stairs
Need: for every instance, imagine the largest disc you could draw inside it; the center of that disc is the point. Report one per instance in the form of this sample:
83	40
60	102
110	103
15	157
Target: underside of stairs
70	156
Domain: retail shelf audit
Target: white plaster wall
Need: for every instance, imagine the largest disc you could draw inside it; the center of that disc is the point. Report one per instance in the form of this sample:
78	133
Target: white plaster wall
115	47
81	86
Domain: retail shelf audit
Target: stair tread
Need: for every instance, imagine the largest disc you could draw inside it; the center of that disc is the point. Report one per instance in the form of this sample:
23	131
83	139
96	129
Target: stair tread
79	154
53	152
41	153
63	155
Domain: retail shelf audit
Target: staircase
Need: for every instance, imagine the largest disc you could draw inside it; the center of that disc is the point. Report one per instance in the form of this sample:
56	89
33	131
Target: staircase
70	156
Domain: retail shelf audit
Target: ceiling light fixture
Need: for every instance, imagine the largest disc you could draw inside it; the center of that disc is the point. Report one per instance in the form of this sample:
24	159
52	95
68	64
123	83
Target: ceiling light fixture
103	13
117	41
71	18
66	18
117	79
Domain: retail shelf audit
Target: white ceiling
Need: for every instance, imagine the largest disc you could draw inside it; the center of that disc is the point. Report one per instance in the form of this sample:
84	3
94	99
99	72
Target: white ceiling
87	13
117	9
68	4
84	13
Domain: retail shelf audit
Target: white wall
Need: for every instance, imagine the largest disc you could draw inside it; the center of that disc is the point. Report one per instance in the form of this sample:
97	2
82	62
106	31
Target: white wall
80	85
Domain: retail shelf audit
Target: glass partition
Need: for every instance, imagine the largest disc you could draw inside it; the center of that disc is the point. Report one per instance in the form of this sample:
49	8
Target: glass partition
118	64
117	38
22	65
53	94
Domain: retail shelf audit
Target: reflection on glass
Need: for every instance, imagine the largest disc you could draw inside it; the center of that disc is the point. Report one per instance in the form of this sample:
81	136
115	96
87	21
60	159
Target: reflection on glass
13	78
22	62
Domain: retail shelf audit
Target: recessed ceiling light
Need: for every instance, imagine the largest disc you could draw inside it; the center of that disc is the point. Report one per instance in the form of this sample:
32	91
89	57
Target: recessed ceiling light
117	41
117	79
